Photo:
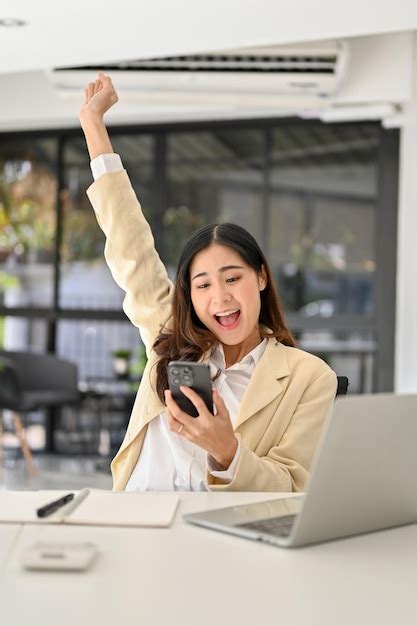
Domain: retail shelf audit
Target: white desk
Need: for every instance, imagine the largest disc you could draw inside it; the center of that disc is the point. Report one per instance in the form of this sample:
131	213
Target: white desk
189	576
9	534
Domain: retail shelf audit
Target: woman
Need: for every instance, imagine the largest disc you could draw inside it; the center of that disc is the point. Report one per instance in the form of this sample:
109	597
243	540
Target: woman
270	398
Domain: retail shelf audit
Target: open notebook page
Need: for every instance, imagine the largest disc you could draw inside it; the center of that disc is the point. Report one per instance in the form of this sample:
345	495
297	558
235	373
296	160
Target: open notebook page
20	506
110	508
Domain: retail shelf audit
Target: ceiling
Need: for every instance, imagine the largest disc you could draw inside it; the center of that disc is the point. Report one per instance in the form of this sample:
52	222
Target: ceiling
80	32
94	32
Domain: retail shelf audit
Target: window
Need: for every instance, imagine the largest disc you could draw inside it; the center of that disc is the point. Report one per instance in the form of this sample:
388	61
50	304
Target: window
86	282
213	176
28	194
310	193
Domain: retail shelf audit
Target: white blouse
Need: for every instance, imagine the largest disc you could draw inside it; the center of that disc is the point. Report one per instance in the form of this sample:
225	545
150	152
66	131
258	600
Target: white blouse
168	462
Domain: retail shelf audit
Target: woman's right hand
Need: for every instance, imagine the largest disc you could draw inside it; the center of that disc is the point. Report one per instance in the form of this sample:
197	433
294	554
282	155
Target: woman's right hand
100	96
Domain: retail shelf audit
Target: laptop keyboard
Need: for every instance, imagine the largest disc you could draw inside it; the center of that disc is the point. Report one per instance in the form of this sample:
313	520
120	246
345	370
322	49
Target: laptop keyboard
279	526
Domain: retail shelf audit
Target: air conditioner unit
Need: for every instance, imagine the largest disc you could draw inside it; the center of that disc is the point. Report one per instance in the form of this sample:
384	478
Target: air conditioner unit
314	69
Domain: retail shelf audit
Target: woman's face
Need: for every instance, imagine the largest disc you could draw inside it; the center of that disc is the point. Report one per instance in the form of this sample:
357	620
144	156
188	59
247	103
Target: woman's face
225	293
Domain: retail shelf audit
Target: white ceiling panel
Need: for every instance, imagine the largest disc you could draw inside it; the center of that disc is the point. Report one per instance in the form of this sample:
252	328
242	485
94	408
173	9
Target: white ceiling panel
80	32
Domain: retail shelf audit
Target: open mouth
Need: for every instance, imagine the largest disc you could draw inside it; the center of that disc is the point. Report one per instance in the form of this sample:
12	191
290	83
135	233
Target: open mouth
228	320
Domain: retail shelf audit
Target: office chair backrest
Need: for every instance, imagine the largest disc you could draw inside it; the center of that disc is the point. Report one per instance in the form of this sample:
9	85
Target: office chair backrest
30	381
42	371
10	391
342	385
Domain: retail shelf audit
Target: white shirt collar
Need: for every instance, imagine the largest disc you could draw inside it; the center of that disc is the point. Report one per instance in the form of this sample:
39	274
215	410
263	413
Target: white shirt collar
252	358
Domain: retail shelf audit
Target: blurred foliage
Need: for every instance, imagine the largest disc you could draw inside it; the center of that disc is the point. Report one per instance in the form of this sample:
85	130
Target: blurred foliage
139	361
8	281
28	198
84	241
180	223
27	208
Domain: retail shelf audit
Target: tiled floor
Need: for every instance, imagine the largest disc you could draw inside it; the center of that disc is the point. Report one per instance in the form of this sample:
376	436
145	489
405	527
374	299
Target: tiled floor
54	472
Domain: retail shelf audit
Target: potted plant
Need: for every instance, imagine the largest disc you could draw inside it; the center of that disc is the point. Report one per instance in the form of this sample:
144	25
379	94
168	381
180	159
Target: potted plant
121	360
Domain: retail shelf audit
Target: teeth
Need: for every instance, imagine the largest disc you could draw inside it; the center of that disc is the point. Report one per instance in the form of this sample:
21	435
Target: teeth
225	313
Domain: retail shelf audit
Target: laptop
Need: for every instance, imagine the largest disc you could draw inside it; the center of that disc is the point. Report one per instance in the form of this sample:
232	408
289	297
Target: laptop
364	478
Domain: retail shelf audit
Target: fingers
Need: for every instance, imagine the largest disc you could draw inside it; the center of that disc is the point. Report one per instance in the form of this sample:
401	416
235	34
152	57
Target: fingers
90	91
104	91
105	81
198	402
180	416
174	425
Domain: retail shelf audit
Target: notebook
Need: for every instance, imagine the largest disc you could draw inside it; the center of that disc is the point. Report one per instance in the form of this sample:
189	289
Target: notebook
91	507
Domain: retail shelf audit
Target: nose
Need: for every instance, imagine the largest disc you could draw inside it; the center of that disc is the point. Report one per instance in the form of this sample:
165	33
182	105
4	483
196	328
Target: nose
221	294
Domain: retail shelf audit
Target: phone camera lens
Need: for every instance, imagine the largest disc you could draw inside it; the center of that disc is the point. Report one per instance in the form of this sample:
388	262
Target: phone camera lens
176	381
174	371
186	371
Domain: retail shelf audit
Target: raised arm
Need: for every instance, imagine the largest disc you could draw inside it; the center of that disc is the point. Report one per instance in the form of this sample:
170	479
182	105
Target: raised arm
99	98
129	250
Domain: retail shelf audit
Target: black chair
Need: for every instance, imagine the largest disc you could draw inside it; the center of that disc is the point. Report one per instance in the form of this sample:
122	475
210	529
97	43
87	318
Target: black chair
30	381
342	385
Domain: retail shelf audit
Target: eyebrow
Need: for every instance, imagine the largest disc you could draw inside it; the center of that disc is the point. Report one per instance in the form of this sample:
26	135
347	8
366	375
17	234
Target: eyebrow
225	268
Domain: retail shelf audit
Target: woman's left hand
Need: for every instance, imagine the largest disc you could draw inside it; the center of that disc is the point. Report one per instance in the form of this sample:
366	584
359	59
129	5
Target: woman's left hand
213	433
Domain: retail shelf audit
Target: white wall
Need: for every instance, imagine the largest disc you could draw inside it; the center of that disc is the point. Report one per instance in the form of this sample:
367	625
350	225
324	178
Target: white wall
378	70
406	324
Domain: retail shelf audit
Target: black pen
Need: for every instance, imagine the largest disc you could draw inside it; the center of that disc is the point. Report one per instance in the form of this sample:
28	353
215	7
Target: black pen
50	508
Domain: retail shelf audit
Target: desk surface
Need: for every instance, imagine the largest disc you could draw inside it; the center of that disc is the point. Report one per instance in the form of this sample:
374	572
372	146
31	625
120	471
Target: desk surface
189	576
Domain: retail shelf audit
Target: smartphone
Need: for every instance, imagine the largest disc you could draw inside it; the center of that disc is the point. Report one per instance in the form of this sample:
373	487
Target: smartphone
194	375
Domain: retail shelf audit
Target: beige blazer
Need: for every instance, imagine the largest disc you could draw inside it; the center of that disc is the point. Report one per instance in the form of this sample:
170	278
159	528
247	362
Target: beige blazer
287	399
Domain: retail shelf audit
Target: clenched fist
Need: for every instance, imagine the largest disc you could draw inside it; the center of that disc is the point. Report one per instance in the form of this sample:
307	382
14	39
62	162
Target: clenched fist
99	97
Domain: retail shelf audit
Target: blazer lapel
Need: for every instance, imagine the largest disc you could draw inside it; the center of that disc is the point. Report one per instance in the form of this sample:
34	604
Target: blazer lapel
265	384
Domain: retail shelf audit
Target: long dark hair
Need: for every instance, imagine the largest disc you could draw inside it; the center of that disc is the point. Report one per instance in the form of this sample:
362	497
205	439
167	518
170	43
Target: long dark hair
187	338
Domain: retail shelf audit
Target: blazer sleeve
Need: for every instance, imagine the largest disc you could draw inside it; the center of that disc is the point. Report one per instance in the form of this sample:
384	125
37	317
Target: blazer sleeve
286	467
131	256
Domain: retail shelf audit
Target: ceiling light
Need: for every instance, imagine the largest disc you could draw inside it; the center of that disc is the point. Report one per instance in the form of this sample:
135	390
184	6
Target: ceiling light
12	22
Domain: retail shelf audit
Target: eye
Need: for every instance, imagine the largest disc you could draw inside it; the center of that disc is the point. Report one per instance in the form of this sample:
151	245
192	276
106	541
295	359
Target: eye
202	286
232	279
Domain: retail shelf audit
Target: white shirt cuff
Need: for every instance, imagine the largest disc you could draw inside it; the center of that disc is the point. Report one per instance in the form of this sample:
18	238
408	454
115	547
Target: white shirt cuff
226	475
105	163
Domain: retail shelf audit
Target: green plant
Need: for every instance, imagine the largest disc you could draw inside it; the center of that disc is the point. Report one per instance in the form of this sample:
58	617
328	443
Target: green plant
8	281
139	363
122	354
27	215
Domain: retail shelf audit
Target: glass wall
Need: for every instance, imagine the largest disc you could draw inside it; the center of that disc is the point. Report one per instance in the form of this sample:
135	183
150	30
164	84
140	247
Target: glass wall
23	334
212	177
28	196
323	213
308	192
91	345
85	280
